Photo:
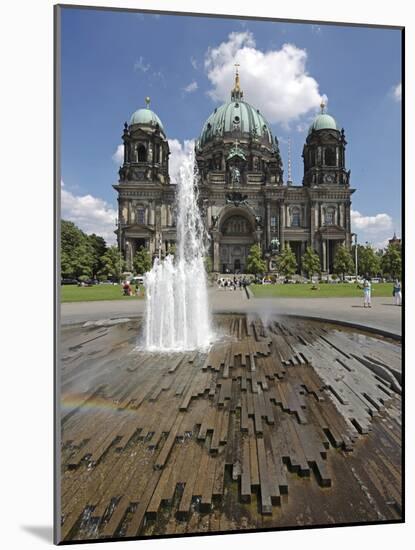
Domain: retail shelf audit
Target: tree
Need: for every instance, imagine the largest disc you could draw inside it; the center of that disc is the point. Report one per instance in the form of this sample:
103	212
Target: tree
171	249
142	260
208	264
99	249
368	261
286	261
391	261
113	265
77	253
310	262
343	261
255	264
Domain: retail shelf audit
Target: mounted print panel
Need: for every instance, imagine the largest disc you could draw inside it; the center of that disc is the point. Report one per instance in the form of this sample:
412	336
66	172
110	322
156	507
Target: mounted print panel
229	252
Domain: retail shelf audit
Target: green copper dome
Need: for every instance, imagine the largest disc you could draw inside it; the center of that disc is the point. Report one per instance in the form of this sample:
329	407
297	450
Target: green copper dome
146	116
323	121
235	116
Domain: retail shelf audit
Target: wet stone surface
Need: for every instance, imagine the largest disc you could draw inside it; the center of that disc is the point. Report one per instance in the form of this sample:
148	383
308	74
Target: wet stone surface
282	423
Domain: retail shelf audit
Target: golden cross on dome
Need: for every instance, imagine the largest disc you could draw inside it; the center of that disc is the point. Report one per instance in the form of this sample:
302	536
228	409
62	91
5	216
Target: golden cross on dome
322	105
147	100
237	87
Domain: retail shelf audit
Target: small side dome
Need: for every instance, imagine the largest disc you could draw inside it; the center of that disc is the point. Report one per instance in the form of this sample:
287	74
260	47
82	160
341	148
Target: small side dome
323	121
146	116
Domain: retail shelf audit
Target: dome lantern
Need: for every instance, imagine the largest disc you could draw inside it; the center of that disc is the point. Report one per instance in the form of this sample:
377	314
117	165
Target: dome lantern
236	92
146	116
323	120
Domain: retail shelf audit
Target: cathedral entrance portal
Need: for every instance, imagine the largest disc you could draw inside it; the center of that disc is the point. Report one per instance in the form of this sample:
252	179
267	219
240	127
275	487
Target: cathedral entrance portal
236	239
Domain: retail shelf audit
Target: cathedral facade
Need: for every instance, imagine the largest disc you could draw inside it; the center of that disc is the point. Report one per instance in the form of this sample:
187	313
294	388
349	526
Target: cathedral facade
243	197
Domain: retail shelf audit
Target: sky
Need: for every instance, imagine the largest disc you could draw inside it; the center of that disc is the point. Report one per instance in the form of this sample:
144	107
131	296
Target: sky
112	60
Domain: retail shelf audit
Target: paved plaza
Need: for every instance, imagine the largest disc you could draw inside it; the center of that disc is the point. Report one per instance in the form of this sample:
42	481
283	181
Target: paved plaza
383	315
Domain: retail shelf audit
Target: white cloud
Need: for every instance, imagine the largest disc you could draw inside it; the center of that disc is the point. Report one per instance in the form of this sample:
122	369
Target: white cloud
118	156
91	214
375	229
276	81
192	87
140	65
315	29
178	152
397	92
371	223
194	63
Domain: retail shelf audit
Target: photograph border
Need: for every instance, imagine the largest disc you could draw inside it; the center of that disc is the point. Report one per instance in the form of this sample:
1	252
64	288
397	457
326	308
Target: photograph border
57	8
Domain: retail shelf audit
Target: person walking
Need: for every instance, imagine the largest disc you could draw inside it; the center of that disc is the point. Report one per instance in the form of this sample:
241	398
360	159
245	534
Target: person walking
397	293
367	291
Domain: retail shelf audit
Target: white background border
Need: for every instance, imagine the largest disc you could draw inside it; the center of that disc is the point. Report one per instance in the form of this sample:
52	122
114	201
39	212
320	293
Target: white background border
26	306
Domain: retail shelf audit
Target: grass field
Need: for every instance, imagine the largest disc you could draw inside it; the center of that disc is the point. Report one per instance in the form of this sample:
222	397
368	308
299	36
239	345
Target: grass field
340	290
73	293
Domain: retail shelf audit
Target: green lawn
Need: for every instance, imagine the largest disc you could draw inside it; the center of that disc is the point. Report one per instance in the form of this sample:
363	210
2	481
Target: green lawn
73	293
339	290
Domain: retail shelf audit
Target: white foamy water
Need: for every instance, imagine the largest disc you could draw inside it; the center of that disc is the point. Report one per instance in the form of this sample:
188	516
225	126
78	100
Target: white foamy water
177	311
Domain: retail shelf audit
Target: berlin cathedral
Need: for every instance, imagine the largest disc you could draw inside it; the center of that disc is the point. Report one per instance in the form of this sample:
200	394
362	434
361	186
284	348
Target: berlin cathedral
243	197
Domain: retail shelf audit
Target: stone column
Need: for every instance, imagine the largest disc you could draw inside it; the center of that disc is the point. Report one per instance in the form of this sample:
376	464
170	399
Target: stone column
312	224
324	254
348	238
152	213
282	225
268	222
216	252
128	255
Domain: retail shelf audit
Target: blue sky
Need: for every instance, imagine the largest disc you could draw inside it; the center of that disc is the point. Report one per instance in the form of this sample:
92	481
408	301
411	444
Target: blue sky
112	60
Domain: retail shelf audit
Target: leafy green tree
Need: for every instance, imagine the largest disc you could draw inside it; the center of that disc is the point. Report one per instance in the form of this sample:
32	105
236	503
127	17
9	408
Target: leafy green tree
310	262
255	264
77	253
286	261
171	249
343	261
113	265
142	260
368	261
99	248
391	261
208	264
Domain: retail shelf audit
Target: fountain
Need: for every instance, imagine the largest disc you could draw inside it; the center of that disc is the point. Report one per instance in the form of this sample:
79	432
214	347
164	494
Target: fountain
177	312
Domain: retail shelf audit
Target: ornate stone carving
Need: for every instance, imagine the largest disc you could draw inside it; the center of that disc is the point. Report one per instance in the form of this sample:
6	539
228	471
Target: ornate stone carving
237	199
235	175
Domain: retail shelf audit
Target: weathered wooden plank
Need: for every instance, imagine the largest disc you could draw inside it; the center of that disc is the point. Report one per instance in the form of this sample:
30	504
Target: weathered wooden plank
266	505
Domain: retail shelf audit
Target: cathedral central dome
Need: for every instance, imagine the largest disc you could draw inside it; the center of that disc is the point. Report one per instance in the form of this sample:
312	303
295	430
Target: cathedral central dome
235	118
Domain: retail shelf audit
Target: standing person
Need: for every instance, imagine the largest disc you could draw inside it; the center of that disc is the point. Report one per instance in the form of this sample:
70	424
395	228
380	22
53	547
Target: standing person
397	293
367	291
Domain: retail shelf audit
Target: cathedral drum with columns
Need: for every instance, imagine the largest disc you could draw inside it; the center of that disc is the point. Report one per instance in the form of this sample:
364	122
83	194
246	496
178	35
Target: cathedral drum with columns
243	197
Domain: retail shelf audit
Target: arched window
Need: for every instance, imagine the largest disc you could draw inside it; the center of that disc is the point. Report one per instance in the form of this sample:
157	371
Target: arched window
236	225
295	217
141	153
329	216
330	156
141	215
